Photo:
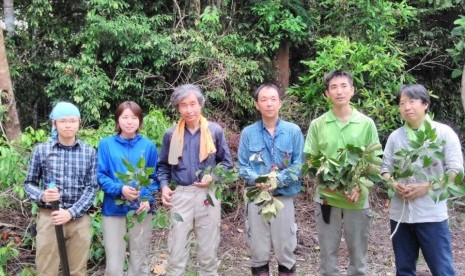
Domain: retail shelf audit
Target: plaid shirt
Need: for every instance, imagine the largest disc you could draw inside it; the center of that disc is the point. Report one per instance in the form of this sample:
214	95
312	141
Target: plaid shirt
73	169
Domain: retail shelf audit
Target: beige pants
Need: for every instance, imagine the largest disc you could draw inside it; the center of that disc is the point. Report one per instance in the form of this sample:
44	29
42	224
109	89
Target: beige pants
114	230
77	237
205	220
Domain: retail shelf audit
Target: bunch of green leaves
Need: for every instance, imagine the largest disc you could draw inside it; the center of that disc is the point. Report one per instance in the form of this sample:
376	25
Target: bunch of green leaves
13	162
93	136
10	254
221	178
139	176
97	250
261	195
161	219
353	167
7	253
447	185
411	162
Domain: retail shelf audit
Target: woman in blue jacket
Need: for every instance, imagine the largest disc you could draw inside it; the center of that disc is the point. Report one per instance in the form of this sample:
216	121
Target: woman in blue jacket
127	143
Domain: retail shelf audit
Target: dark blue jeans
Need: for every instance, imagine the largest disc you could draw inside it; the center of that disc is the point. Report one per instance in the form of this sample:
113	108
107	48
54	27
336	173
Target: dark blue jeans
433	238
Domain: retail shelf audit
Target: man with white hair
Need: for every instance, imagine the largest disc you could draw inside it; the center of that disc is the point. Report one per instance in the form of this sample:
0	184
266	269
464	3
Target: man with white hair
190	147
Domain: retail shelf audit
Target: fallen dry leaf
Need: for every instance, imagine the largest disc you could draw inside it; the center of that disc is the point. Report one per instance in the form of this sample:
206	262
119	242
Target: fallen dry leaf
158	269
18	240
163	256
5	235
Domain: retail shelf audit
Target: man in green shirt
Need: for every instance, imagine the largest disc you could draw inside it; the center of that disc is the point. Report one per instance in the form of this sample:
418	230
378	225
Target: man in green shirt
340	126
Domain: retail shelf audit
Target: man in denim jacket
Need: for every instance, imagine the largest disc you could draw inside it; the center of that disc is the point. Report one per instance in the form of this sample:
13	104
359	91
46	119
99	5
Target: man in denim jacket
272	144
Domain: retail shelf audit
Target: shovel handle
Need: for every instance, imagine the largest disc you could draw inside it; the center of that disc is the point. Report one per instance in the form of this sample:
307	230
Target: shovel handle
60	239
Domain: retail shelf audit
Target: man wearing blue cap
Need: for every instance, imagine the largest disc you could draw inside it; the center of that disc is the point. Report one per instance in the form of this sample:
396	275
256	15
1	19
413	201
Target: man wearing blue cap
63	169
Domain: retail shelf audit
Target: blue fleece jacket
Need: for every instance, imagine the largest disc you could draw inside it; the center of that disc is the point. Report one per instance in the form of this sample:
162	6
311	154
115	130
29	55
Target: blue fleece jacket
111	150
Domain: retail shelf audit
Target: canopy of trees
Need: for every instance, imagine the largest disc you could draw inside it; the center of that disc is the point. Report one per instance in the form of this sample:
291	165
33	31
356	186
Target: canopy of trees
98	53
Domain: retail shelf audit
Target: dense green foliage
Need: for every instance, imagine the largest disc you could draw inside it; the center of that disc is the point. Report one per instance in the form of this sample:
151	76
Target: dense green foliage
377	71
98	53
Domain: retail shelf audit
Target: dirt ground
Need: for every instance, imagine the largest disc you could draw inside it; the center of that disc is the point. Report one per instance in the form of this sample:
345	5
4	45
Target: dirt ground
234	253
235	256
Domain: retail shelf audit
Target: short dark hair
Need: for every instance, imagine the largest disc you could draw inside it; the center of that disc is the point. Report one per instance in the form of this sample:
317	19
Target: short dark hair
267	85
134	107
414	91
337	74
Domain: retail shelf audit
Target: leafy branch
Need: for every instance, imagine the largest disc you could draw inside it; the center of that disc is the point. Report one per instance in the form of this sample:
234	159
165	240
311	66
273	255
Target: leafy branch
136	176
7	252
411	162
219	179
353	167
262	193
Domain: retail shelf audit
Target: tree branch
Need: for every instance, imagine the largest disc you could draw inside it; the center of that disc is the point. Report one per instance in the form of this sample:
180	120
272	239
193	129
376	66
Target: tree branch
462	88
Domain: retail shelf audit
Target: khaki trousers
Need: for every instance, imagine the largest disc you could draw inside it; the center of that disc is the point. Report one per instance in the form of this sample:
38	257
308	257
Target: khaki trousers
204	220
114	230
279	233
77	238
356	225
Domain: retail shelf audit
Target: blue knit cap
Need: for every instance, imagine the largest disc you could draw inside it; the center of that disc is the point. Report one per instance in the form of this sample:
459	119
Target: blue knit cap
62	109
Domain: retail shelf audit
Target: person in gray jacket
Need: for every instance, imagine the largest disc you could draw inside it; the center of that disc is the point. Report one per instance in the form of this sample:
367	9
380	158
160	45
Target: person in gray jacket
417	221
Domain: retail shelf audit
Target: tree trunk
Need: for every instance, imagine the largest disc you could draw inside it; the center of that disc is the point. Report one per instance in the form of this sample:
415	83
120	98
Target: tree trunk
198	8
462	88
282	66
9	16
11	126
